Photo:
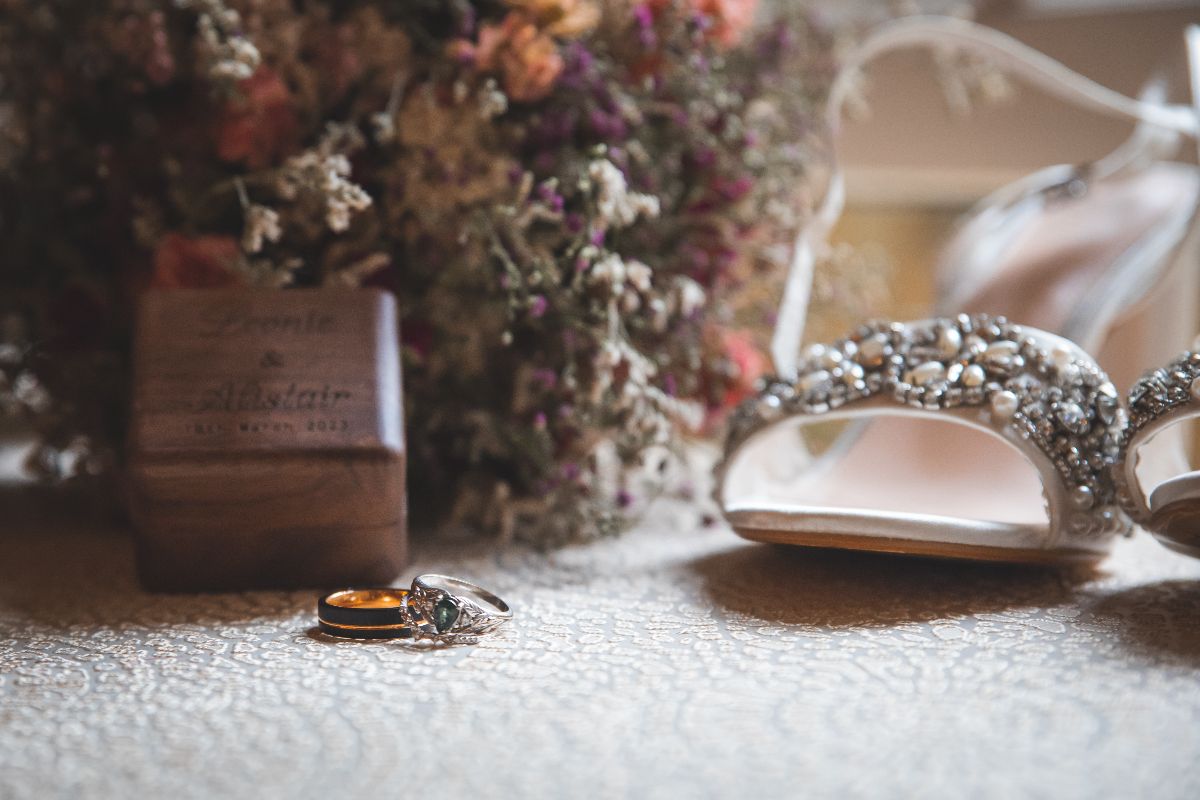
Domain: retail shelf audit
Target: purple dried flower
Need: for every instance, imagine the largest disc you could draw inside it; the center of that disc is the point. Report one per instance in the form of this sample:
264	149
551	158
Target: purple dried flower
538	305
609	127
704	157
548	378
624	499
644	18
554	129
736	189
467	20
578	67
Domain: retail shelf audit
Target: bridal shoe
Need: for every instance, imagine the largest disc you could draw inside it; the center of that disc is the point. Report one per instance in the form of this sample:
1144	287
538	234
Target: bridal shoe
970	435
1170	509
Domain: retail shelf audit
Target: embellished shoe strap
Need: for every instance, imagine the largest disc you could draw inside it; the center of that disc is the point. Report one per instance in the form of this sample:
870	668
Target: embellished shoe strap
1039	392
949	34
1160	399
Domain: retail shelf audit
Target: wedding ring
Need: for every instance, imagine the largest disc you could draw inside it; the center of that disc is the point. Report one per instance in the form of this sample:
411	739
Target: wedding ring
366	614
443	606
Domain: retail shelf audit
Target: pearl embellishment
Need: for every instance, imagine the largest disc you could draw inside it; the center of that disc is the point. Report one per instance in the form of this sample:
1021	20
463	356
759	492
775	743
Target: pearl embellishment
1004	405
973	376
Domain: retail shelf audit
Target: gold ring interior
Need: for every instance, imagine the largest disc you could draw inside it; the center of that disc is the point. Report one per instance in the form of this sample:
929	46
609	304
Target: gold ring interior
368	598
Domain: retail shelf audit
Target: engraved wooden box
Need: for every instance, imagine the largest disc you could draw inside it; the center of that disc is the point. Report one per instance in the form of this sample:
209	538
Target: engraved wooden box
266	441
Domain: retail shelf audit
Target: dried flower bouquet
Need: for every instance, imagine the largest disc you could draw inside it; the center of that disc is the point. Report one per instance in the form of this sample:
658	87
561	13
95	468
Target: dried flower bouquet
579	205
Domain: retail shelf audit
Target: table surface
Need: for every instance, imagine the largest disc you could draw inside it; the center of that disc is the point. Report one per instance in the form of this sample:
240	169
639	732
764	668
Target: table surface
676	661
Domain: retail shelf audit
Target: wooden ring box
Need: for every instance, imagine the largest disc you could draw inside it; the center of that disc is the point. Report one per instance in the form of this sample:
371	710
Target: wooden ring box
266	446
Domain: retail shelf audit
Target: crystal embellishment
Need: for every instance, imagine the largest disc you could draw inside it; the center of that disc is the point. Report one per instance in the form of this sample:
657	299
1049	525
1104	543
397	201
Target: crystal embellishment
1156	394
1030	385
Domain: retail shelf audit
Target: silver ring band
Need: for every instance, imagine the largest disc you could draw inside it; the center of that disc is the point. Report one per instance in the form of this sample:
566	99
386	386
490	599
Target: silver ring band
440	605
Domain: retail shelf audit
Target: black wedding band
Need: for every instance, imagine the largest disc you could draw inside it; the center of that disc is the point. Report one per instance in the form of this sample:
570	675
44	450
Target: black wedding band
365	614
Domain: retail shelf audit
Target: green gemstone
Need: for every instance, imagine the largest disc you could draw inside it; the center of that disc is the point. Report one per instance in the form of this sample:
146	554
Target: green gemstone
445	613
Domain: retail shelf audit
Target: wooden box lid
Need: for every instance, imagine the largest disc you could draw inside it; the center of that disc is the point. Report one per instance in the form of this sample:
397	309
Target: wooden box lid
243	371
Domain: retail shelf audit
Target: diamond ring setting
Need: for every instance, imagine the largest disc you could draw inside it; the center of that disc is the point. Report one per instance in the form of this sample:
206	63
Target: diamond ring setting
450	607
436	607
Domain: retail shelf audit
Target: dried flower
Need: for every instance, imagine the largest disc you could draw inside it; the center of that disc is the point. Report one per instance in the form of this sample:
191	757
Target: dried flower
262	225
690	297
730	19
571	199
562	18
748	363
258	123
231	57
617	205
202	262
357	273
526	57
323	173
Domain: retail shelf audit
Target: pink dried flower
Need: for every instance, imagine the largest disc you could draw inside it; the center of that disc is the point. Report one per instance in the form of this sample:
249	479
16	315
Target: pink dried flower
145	41
747	365
548	378
728	19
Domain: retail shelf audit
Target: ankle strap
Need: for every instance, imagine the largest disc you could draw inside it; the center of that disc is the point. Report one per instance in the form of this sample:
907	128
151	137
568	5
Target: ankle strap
1192	37
1009	54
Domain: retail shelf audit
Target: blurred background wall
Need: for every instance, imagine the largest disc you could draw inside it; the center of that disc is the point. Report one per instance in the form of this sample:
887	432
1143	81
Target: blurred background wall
913	165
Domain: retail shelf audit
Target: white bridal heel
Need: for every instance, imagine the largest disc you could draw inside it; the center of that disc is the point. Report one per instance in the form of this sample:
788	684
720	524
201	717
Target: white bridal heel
1160	490
1084	257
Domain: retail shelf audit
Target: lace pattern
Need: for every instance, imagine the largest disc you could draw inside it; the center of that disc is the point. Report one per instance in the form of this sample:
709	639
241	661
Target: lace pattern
676	662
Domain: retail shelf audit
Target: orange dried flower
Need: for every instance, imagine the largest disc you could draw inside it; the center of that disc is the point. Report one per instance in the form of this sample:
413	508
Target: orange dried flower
564	18
526	58
202	262
260	124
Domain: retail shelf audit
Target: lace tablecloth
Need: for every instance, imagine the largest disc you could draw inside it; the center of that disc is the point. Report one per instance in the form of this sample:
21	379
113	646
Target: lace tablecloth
675	662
